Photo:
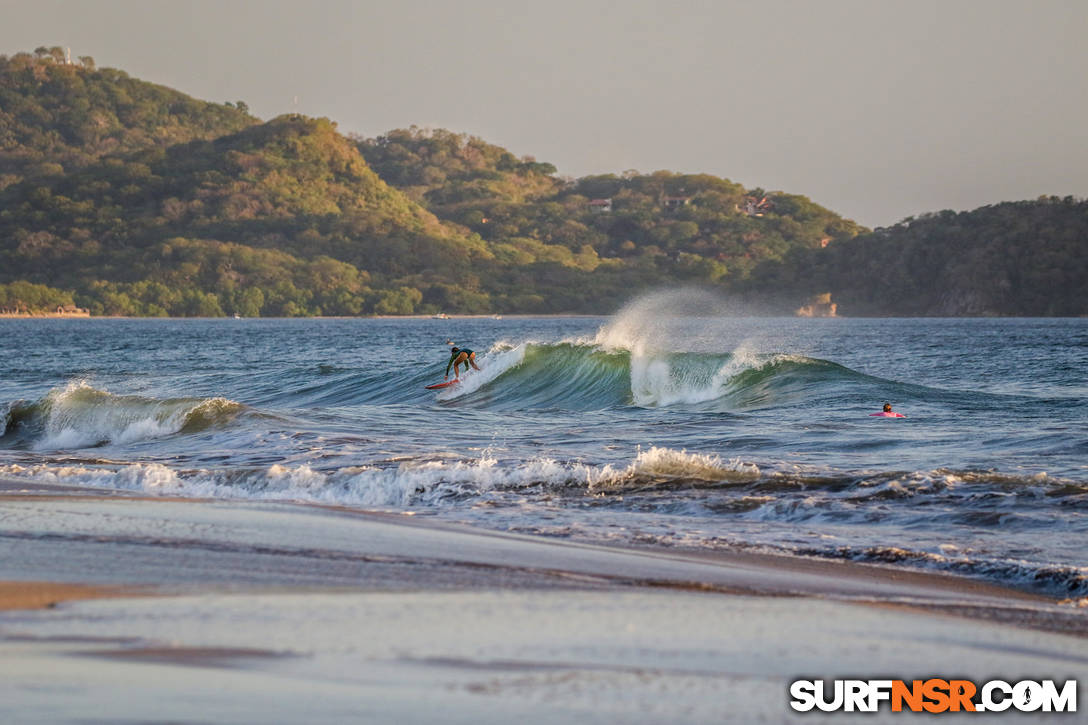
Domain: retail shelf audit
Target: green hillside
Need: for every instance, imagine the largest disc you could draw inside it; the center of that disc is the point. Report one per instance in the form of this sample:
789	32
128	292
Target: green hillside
56	117
285	214
129	198
630	231
444	170
1027	258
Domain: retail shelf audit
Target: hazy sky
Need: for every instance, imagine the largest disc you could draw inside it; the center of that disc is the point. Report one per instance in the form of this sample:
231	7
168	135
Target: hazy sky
878	110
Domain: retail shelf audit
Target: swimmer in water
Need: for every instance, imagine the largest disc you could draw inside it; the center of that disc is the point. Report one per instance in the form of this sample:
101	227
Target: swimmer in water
888	413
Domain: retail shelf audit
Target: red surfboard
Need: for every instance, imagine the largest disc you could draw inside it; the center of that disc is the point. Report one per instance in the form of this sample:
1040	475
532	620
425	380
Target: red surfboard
445	384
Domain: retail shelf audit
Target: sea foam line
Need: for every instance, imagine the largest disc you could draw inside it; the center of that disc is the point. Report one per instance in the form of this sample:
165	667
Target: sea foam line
408	483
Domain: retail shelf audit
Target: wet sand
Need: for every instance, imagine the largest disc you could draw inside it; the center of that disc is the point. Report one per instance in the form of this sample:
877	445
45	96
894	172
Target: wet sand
40	595
292	613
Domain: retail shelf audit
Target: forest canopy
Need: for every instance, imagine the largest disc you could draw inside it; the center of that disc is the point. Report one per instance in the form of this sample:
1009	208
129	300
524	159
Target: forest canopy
129	198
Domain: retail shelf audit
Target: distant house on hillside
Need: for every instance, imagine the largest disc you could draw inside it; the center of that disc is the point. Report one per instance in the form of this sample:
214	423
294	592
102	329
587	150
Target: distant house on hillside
600	205
756	207
675	202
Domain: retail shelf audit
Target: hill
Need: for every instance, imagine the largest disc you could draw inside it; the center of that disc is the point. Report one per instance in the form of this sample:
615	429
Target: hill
282	217
630	231
56	117
443	170
130	198
1027	258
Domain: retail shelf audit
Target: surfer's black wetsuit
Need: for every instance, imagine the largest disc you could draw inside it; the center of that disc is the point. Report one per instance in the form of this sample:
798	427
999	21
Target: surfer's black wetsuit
455	355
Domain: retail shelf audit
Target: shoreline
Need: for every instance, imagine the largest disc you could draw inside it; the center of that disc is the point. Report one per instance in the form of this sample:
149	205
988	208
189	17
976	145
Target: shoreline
497	558
532	316
512	316
44	316
326	614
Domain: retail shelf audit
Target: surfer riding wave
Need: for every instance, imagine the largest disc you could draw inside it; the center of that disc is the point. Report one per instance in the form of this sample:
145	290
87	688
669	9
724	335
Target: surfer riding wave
460	356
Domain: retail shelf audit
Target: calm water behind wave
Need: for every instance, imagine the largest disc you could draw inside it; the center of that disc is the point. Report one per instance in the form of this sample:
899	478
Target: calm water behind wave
651	426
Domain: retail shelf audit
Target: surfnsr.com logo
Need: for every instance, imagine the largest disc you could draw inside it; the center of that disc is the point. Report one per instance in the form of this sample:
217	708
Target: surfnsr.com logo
933	695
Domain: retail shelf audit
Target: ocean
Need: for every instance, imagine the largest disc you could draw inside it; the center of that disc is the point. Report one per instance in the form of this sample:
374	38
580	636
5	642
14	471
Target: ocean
674	423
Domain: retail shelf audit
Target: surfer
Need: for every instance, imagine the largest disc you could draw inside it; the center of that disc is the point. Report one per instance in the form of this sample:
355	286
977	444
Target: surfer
460	356
888	413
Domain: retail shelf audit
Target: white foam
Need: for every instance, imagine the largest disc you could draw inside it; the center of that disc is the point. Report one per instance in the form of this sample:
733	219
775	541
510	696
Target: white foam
81	415
670	463
655	382
655	322
410	482
654	327
497	361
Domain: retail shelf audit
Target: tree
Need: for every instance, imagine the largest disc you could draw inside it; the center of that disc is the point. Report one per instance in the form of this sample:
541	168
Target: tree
400	301
249	302
195	303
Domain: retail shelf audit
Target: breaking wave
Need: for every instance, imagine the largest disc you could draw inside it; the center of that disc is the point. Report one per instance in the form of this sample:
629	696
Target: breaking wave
586	376
81	416
703	501
398	483
657	353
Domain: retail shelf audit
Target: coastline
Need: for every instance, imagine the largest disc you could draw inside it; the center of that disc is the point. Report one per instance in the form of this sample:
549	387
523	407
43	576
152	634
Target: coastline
533	316
55	316
400	614
539	561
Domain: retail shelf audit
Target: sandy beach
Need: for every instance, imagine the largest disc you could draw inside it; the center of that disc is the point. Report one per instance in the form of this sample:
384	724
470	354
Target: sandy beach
156	610
39	595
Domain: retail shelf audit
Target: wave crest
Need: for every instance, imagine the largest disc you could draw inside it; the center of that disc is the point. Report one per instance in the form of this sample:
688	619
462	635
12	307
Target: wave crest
666	466
81	416
410	482
588	376
730	488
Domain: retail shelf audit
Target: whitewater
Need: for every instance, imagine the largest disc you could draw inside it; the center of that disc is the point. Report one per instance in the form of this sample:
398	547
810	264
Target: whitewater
674	423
